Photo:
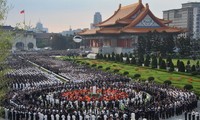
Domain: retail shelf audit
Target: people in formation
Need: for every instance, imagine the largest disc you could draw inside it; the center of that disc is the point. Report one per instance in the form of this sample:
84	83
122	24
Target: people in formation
38	95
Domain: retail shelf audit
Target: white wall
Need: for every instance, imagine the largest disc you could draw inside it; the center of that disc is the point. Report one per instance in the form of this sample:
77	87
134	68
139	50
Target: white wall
25	39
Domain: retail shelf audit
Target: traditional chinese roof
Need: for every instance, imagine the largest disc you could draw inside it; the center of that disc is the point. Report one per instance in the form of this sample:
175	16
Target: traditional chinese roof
89	32
109	30
121	14
134	18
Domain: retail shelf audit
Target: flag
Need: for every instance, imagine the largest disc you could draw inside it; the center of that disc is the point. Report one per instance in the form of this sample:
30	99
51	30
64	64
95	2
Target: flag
22	12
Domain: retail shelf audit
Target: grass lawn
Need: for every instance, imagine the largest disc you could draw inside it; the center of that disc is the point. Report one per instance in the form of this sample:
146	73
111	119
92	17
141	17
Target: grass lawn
178	80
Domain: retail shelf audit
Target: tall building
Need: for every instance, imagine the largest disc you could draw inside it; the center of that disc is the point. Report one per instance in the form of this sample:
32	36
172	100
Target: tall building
122	32
39	28
70	32
186	17
97	19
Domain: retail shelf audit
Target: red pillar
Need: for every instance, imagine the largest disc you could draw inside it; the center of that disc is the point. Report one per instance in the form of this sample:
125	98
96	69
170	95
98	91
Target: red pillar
90	43
95	43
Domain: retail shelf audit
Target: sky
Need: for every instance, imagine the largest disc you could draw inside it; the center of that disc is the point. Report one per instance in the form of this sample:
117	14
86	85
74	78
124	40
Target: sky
59	15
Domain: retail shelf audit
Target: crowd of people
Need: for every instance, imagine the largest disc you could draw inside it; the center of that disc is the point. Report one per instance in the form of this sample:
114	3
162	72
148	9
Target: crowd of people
89	95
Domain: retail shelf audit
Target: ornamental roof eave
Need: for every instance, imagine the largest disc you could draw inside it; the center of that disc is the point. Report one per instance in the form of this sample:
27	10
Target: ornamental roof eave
147	30
89	32
142	15
109	31
165	21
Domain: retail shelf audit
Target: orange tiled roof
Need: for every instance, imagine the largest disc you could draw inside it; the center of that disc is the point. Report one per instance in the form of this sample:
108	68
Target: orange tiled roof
121	13
89	32
142	15
109	30
125	21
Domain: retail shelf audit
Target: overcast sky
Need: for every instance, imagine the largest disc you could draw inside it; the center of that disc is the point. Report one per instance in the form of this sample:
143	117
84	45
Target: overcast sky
59	15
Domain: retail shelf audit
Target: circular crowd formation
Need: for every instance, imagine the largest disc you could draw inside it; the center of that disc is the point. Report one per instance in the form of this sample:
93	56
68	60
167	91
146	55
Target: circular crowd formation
97	96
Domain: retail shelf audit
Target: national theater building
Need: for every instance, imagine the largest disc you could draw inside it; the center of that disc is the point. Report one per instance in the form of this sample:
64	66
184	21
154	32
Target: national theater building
121	31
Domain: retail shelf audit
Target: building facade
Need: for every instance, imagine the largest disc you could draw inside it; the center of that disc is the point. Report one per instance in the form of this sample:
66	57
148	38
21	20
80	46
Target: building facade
187	17
120	33
24	41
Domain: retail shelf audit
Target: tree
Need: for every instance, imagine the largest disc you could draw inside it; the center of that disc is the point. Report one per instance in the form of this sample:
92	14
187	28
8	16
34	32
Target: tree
3	9
160	60
133	60
113	56
141	45
166	43
150	79
104	57
5	36
141	60
117	58
98	56
163	65
188	62
181	67
136	76
188	87
101	56
130	55
147	61
193	68
121	57
197	66
177	63
71	44
154	62
125	55
59	42
5	47
188	67
167	82
126	73
109	58
184	46
169	61
127	60
171	67
5	44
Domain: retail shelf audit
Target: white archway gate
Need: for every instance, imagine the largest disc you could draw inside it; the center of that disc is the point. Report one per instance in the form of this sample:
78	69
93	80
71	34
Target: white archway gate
24	41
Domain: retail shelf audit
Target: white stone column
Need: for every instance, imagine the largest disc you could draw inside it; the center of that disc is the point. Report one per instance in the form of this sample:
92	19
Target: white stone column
94	90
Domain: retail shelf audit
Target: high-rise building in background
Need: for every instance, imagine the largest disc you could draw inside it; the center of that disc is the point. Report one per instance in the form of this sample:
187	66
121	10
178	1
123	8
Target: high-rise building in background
97	19
39	28
186	17
70	32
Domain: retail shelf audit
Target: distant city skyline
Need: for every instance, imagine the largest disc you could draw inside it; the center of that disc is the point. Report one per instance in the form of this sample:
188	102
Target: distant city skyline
59	15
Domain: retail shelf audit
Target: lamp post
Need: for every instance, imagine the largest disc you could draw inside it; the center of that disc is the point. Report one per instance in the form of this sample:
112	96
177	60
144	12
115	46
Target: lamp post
51	38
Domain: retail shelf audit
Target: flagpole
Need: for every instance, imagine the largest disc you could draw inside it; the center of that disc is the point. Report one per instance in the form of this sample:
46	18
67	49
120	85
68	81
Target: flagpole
24	20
